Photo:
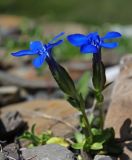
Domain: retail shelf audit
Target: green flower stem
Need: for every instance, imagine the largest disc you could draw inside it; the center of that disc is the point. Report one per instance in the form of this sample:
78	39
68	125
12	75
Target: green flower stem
99	80
87	125
101	113
99	104
84	115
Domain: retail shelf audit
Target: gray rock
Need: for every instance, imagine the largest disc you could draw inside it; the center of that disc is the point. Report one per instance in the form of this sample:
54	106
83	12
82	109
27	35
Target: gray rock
2	156
44	95
9	90
103	157
47	114
48	152
10	151
11	125
10	79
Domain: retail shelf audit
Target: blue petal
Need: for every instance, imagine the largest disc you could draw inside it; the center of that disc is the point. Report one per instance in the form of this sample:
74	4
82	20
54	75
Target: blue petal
110	35
88	49
77	39
92	34
56	37
54	44
22	53
109	45
35	46
37	62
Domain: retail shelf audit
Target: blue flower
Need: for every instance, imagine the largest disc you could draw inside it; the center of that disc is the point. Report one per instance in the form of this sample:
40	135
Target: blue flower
42	51
92	42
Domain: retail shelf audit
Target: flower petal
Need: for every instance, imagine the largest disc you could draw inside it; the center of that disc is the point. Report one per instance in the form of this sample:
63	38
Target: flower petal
110	35
35	46
109	45
49	46
88	49
92	34
77	39
56	37
37	62
22	53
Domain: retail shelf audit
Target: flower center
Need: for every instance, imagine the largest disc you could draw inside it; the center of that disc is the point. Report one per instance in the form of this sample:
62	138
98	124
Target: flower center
95	41
43	50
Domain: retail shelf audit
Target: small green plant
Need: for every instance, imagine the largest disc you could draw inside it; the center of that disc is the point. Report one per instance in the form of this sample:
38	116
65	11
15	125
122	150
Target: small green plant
102	142
43	138
34	139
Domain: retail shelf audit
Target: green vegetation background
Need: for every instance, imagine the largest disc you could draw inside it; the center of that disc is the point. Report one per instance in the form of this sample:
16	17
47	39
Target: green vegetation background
85	11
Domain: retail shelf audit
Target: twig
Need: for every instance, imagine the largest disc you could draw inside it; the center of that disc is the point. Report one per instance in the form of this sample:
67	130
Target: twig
9	157
43	115
56	119
32	157
69	140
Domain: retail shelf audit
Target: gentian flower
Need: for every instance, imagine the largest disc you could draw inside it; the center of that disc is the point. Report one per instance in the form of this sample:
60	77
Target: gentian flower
92	42
42	51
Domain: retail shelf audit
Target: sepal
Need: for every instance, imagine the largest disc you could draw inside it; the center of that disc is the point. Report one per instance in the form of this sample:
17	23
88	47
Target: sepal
73	102
62	78
99	78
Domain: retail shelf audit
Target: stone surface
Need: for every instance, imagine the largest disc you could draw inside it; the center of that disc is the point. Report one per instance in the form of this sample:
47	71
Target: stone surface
9	94
11	151
103	157
48	152
120	110
11	79
10	22
2	156
4	90
55	115
11	125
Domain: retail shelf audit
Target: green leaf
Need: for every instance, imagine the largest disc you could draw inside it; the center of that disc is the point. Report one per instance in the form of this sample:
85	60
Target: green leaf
96	131
79	157
96	146
107	85
33	128
88	142
82	84
73	102
58	140
104	136
79	137
44	137
91	119
78	145
82	124
34	139
109	133
31	146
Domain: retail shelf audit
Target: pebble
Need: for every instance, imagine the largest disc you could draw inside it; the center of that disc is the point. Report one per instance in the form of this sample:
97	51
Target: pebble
103	157
11	125
48	152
